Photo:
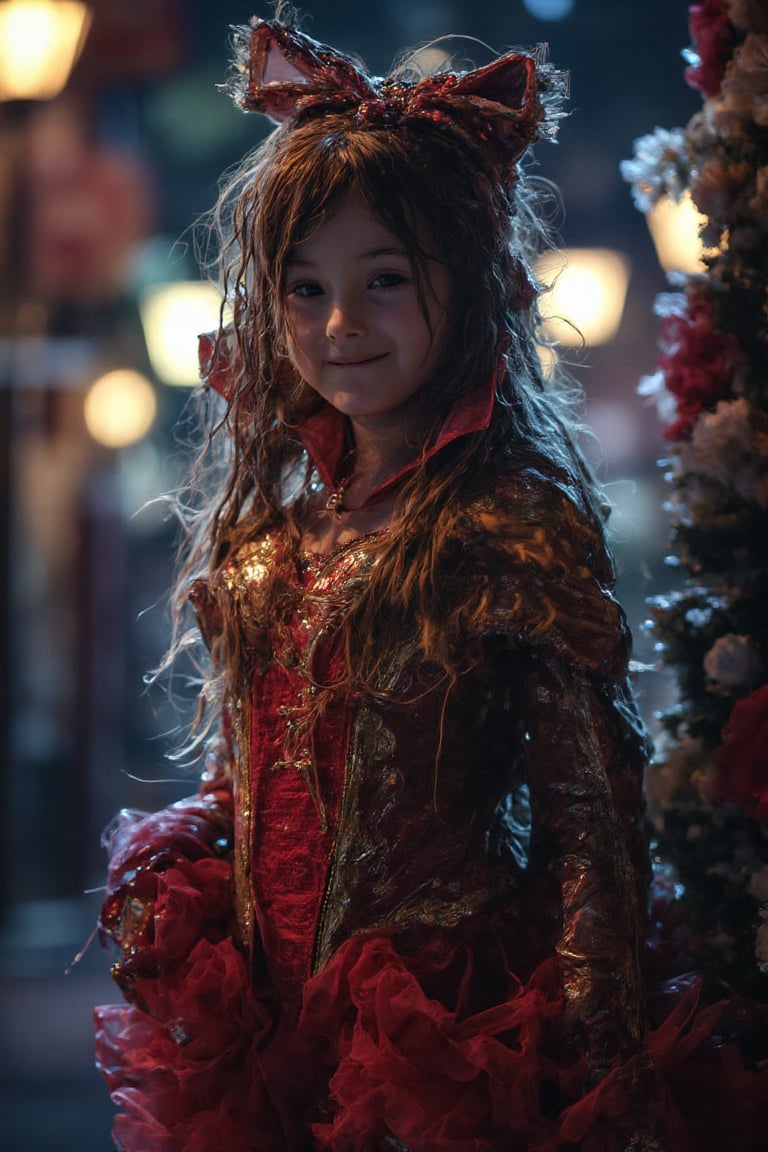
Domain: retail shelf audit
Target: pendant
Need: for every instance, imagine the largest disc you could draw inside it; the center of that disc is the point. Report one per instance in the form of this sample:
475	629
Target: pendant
335	502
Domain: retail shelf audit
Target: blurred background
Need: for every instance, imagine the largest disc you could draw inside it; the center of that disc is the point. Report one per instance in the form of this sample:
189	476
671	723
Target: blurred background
99	186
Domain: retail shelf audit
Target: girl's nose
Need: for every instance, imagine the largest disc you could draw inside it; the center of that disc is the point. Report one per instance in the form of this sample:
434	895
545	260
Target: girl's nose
345	320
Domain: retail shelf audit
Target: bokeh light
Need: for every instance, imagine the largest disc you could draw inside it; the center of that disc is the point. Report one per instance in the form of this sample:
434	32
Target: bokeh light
548	9
173	316
120	408
39	42
587	290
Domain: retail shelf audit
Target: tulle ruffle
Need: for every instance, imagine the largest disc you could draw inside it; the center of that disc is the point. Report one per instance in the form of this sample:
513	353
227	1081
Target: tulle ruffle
441	1080
380	1058
181	1061
428	1043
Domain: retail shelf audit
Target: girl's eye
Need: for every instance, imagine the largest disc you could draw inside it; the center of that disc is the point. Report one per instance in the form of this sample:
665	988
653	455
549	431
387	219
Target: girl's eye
305	290
388	280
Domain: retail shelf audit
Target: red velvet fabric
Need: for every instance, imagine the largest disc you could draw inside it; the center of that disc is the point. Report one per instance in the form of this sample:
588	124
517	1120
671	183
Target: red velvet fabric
293	841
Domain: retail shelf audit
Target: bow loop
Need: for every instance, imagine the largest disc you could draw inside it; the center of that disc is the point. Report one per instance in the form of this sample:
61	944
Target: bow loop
509	81
284	68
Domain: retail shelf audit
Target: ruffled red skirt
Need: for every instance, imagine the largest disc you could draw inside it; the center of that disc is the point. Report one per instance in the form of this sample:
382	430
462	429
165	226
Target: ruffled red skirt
396	1046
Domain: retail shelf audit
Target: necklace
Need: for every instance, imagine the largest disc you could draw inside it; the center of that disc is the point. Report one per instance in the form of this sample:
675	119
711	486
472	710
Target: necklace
335	501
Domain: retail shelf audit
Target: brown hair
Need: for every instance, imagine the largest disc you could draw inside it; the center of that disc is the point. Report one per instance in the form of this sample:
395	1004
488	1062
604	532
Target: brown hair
422	183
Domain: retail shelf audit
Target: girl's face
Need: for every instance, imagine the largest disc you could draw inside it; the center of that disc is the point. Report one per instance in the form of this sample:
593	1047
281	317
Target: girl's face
356	331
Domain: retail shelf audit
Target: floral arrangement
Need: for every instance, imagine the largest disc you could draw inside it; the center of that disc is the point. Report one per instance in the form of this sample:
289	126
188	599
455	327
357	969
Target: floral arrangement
708	787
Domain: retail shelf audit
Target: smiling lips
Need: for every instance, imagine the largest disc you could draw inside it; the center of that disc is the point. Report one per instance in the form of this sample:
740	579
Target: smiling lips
355	363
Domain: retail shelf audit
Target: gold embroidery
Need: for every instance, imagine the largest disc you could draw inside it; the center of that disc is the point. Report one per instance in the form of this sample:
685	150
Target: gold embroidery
240	579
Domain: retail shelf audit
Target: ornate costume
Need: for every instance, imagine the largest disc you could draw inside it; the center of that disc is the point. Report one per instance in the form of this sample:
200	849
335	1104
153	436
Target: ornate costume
409	917
439	891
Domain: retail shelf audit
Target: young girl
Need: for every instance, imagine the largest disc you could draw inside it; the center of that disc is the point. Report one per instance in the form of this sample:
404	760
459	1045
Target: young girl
406	909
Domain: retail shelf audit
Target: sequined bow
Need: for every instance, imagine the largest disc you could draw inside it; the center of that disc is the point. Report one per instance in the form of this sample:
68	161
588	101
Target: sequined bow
499	109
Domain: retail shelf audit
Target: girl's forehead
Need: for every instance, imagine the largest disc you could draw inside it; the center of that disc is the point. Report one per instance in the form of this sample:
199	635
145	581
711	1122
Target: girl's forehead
349	226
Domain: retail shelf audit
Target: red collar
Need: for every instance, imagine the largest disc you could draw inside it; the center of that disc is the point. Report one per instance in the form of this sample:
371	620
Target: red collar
323	436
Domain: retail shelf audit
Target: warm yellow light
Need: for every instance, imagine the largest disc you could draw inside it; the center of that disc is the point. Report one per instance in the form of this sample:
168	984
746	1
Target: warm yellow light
586	300
40	40
173	316
120	408
675	230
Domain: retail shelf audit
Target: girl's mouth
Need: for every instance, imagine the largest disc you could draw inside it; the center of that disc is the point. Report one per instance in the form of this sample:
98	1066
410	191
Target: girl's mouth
357	362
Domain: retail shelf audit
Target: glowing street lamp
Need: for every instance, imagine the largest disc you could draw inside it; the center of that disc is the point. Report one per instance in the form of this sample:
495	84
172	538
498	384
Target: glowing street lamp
120	408
587	290
173	316
675	227
40	40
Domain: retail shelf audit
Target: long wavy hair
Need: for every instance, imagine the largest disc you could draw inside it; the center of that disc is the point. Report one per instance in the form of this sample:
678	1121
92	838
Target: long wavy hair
423	185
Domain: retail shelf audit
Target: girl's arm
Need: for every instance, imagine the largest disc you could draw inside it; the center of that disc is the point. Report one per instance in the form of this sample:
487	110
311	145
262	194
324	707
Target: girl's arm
148	854
585	749
181	1058
584	744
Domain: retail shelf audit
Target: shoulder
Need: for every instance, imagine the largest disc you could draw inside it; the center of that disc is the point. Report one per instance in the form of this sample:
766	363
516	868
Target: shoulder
542	552
542	519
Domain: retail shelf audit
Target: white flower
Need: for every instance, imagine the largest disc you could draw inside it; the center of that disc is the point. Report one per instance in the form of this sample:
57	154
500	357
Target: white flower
725	447
670	774
659	167
732	662
670	304
652	388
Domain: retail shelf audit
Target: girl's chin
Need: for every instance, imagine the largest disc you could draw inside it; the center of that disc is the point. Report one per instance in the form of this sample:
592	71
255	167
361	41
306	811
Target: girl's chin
365	406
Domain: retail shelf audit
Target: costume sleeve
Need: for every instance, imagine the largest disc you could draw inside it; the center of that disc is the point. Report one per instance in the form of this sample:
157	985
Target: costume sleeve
181	1057
585	748
193	836
587	806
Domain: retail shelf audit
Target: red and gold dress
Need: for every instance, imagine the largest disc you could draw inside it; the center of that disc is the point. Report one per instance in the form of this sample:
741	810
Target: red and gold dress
413	918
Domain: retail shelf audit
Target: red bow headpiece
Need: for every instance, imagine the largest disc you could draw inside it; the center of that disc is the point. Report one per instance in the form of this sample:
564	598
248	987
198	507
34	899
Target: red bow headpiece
498	110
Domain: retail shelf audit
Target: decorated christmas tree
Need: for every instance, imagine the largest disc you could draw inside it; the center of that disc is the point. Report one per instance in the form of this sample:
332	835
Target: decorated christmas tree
708	786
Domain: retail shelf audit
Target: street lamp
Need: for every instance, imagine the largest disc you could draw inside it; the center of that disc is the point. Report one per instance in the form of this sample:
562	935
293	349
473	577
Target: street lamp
40	41
675	226
587	288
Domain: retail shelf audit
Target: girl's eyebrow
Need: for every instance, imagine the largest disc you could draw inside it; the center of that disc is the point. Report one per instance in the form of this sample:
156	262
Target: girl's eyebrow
294	261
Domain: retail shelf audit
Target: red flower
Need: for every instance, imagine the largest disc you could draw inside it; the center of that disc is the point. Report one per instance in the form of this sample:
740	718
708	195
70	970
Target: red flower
699	364
711	33
741	759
